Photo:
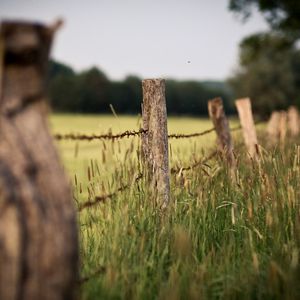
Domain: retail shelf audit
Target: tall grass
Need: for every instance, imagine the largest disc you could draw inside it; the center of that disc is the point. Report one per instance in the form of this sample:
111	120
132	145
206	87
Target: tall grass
218	240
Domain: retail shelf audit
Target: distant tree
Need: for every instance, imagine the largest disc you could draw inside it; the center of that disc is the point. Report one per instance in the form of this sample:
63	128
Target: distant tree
63	88
269	72
64	94
190	97
93	91
59	69
280	14
134	83
121	97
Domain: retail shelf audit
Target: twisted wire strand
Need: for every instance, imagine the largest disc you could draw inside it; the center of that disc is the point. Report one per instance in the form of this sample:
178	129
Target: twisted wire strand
102	198
128	133
109	136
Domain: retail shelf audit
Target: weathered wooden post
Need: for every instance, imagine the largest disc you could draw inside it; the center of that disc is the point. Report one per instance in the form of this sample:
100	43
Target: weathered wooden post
220	122
155	140
273	127
38	234
293	121
282	126
246	119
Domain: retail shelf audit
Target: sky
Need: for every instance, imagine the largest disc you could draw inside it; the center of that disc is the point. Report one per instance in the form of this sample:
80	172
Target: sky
180	39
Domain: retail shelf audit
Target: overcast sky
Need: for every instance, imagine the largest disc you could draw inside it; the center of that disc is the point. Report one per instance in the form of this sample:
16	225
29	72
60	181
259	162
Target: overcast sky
183	39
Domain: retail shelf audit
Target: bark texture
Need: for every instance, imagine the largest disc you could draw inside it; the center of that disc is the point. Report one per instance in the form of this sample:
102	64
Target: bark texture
220	122
38	233
246	119
155	140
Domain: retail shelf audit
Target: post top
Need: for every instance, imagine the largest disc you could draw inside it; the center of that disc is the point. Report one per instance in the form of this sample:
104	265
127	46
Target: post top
14	29
154	80
246	99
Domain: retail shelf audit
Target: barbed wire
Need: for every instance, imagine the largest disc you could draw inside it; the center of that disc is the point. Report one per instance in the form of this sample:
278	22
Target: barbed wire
195	164
128	133
122	188
190	135
103	198
108	136
174	170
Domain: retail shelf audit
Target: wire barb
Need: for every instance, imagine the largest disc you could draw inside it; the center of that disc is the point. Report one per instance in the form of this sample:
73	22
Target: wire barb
128	133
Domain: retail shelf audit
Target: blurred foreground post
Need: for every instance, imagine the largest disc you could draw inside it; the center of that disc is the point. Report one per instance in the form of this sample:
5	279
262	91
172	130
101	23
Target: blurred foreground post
293	121
155	140
38	233
246	119
273	127
220	122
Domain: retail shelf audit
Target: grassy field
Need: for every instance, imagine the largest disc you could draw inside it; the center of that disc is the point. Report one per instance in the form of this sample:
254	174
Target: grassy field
219	239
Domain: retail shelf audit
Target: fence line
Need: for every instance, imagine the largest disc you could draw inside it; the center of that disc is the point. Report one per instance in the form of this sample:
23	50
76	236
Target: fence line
102	198
127	133
108	136
174	170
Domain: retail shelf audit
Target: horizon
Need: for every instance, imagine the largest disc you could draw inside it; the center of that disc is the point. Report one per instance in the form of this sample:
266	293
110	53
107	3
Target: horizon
182	41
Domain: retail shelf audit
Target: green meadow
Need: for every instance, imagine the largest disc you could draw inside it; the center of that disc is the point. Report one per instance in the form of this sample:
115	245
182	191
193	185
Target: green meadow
219	239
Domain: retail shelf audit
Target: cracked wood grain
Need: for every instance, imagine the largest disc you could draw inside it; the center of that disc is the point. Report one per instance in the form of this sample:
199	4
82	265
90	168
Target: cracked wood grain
38	231
155	140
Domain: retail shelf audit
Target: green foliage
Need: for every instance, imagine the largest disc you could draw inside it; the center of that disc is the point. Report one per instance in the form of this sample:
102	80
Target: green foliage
59	69
281	14
190	97
92	92
269	72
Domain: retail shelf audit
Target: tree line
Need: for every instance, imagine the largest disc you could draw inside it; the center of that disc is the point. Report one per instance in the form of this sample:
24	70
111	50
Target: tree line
269	73
91	91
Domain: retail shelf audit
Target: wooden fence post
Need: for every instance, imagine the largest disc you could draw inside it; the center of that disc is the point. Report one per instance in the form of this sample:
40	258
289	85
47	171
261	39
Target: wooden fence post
273	127
282	126
246	119
38	232
293	121
155	140
220	122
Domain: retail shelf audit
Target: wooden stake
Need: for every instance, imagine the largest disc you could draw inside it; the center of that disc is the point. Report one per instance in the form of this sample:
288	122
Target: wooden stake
155	141
273	127
282	126
220	122
246	119
293	121
38	232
